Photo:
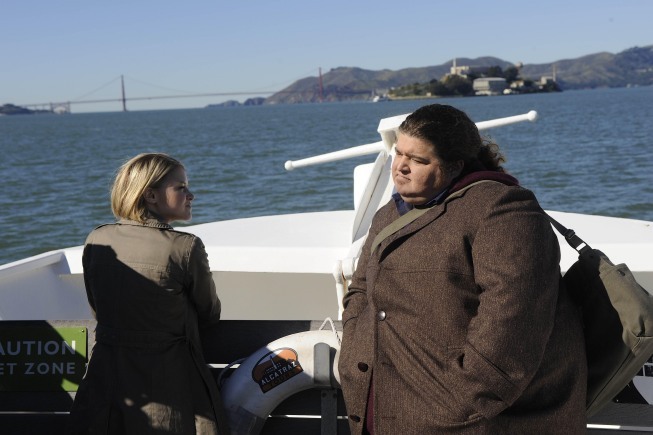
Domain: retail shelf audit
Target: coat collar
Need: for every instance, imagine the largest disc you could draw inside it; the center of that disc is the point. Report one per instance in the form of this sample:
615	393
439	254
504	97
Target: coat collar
150	222
472	174
472	177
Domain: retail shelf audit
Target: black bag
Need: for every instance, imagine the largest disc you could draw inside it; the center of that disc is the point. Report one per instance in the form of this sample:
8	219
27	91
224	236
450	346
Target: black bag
617	317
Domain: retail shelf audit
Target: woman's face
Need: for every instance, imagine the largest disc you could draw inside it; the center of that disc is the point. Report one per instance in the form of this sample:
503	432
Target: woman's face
417	172
171	200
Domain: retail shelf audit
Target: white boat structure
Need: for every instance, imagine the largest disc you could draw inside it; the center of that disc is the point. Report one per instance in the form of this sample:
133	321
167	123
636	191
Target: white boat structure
296	266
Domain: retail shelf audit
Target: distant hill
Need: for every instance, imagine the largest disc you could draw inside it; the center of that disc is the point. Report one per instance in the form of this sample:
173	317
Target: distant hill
10	109
630	67
233	103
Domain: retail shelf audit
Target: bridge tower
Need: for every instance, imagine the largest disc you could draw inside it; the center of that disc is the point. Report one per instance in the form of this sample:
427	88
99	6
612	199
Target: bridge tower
124	100
321	87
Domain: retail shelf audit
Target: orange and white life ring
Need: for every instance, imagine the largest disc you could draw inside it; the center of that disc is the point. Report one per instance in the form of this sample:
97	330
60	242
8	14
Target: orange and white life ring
275	372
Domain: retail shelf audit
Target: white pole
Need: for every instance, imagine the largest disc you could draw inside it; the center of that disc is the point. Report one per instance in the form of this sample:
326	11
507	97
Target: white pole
361	150
377	147
500	122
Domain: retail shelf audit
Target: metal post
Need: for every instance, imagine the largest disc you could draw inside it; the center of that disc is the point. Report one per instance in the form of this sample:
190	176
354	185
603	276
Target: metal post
323	370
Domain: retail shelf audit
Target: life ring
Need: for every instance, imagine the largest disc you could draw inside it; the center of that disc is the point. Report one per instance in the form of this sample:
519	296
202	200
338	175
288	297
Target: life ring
275	372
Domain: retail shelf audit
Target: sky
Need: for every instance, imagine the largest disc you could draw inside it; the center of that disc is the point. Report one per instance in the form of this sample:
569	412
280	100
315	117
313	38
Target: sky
78	50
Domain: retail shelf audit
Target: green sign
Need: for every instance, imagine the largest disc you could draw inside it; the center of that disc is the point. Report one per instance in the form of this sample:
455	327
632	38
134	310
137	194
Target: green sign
42	358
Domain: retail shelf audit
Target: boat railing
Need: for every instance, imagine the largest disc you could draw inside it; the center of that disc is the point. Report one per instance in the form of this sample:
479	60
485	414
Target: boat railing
30	264
40	402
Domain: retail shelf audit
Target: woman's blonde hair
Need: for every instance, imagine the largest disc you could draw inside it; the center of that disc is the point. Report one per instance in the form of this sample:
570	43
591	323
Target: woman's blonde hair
133	178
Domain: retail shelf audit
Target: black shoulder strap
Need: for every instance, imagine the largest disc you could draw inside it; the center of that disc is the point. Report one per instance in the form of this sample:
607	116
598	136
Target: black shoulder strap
570	236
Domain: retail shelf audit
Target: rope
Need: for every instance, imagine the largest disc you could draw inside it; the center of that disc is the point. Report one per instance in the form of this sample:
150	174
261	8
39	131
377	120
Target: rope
333	328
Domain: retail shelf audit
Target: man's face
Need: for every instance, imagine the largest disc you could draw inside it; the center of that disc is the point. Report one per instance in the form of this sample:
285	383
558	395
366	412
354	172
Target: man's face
418	174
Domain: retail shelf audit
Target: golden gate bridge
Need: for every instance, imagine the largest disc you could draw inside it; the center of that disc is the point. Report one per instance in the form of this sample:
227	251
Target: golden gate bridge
64	107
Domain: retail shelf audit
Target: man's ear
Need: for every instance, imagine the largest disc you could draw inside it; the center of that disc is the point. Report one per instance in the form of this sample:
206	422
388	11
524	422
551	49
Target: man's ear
458	167
149	195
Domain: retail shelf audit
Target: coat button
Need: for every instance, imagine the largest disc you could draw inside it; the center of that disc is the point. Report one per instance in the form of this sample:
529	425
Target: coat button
380	315
354	418
362	366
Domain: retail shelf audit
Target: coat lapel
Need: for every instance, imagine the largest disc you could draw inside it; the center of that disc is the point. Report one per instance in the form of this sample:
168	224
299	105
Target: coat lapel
420	222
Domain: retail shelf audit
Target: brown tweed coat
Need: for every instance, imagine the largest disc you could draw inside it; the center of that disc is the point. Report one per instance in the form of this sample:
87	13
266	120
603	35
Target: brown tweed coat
150	288
461	322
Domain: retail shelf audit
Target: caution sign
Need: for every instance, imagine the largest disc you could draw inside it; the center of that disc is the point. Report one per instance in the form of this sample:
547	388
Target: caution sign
42	358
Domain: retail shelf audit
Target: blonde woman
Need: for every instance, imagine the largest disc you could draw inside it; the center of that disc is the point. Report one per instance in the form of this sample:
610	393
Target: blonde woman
150	289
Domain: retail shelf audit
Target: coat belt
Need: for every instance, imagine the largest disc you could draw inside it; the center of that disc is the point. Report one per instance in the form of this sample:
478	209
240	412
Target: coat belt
139	339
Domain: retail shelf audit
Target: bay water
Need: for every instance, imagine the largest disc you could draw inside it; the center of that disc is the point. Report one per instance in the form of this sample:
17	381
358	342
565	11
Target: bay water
590	151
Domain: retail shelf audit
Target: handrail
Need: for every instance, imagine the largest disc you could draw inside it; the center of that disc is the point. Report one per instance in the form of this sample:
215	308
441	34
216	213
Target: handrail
377	147
500	122
357	151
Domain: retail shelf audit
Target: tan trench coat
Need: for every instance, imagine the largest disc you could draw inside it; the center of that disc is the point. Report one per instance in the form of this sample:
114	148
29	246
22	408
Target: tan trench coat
150	288
460	322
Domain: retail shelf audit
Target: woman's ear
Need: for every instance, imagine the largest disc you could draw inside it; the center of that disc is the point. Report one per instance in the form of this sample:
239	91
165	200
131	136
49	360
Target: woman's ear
149	195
